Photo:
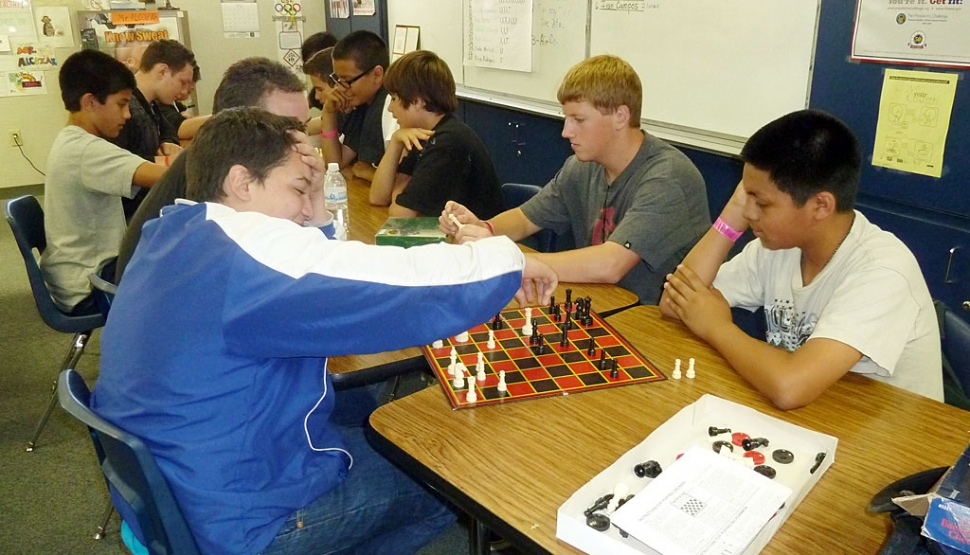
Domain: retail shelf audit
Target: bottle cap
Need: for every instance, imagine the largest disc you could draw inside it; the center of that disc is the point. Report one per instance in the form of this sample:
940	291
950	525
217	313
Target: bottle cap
333	167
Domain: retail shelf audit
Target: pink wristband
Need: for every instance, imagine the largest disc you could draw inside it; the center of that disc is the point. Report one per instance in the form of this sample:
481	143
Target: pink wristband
726	230
488	224
328	134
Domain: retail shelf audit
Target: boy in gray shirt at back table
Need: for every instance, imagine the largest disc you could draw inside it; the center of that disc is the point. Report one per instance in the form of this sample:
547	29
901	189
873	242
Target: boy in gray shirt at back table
634	204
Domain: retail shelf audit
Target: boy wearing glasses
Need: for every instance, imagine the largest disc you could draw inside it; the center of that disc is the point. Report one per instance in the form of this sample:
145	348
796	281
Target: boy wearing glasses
634	204
359	62
444	159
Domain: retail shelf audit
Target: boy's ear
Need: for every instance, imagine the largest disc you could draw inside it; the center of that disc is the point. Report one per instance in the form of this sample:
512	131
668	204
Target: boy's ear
239	183
621	116
88	101
825	204
379	73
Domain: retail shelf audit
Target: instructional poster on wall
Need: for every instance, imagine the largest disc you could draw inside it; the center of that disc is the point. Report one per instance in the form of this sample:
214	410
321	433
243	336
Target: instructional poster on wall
16	19
23	83
931	32
498	34
914	117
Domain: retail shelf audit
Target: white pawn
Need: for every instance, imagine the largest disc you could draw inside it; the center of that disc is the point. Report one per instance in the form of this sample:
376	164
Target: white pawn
480	368
453	360
501	387
690	369
527	328
462	337
459	376
676	374
437	344
491	339
470	395
620	490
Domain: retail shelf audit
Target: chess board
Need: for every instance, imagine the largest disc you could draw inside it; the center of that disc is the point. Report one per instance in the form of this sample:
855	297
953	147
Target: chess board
558	371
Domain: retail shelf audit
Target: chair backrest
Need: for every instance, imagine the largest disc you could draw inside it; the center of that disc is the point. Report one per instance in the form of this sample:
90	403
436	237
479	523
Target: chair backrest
955	345
131	472
104	293
514	195
26	219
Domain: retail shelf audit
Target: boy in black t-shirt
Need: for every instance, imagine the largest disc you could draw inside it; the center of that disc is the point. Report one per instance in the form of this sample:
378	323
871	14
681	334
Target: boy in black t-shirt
445	160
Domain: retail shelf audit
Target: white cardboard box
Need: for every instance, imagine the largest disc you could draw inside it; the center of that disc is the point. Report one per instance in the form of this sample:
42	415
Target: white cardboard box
688	428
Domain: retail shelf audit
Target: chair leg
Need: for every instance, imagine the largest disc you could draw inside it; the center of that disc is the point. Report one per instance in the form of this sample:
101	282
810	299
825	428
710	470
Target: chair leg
478	538
108	511
70	361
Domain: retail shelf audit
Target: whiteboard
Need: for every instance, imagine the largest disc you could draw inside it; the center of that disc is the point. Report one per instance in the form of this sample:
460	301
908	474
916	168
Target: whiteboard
440	23
717	66
559	39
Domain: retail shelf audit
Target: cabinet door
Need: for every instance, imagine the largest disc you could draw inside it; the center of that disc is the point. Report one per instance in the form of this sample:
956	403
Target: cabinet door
525	148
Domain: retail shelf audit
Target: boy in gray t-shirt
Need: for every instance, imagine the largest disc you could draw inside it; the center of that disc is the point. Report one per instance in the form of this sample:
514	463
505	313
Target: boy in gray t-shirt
635	205
87	176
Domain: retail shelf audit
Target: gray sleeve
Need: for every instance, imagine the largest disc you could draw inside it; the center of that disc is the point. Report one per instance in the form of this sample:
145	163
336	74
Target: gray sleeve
107	168
548	208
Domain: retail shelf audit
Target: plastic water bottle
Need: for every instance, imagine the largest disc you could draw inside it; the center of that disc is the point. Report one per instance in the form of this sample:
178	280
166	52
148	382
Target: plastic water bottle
335	191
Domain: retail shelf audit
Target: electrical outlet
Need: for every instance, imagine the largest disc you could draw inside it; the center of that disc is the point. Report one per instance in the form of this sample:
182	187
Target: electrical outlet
16	139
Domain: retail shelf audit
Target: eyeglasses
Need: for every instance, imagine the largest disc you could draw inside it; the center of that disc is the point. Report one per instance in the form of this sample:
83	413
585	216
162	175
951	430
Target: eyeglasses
346	84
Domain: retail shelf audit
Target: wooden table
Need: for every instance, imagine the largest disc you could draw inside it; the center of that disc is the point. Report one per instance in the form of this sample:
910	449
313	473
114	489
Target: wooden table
511	466
365	220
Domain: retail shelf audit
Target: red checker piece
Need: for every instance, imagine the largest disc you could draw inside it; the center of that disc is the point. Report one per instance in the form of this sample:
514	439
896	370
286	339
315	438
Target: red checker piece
755	456
738	437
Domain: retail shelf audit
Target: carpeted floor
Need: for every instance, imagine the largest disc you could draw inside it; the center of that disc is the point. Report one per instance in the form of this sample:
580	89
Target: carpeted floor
52	499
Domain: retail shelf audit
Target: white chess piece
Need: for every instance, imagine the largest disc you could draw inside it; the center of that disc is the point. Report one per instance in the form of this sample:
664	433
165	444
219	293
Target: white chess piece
459	381
480	368
501	387
690	369
676	374
462	337
620	490
491	339
470	395
437	344
453	359
527	328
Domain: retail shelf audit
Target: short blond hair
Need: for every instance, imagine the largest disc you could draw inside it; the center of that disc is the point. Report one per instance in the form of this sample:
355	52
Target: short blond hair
607	82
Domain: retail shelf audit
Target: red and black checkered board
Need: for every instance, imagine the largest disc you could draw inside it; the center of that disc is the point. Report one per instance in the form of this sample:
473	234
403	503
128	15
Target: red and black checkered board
559	371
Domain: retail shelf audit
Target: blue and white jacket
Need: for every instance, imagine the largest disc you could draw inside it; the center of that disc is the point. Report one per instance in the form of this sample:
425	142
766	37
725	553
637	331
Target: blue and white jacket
215	352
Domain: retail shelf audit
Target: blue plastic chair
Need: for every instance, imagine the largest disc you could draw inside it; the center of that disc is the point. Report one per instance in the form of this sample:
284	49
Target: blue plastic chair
26	219
131	472
513	196
955	347
104	293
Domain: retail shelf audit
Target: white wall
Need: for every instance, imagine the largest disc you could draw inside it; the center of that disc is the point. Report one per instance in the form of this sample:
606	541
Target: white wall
39	118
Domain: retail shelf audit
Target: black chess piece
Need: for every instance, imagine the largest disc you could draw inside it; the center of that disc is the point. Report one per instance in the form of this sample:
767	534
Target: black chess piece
568	325
552	304
649	469
713	431
615	370
497	322
564	340
602	364
569	298
534	338
818	462
753	443
591	350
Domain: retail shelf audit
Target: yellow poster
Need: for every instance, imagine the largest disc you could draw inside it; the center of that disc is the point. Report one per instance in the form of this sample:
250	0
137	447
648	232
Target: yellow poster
914	117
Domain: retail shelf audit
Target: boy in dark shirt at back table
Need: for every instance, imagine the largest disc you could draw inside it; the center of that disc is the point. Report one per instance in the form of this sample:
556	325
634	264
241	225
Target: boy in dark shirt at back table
445	159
